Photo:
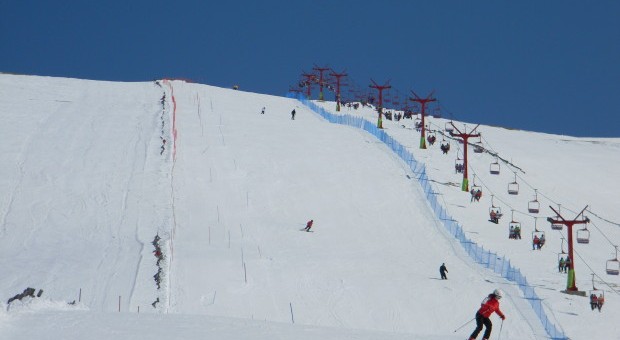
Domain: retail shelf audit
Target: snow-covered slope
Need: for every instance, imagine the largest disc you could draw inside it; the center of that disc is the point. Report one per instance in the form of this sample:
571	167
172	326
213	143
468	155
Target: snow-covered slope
93	171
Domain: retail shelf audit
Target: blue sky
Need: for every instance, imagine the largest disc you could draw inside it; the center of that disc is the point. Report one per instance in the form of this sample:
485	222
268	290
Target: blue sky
549	66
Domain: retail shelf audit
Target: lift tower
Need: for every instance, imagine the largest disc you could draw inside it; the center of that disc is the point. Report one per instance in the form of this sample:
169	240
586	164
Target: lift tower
321	70
310	78
465	136
380	88
423	102
571	287
338	76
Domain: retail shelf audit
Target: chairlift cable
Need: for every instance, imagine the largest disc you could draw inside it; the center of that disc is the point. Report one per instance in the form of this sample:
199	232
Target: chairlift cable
594	273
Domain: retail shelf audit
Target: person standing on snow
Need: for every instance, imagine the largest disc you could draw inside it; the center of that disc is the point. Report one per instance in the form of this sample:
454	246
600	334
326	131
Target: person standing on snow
443	270
293	114
489	305
309	224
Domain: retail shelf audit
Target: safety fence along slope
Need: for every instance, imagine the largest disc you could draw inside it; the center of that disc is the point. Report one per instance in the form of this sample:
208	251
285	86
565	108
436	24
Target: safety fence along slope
484	257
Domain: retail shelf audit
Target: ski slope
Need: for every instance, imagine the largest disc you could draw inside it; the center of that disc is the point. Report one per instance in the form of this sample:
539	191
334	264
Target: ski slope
94	170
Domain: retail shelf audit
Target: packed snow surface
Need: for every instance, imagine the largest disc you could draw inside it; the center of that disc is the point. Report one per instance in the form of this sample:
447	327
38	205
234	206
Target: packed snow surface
97	176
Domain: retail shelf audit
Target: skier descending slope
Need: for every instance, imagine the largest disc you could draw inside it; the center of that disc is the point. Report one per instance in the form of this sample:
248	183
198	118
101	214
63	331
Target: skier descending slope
308	225
489	305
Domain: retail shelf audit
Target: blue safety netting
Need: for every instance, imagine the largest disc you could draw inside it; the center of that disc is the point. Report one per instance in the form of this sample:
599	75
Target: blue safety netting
484	257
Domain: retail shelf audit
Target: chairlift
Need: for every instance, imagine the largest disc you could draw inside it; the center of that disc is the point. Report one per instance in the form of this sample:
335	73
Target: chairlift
538	234
418	123
494	167
557	226
493	208
459	165
495	213
513	188
613	265
449	127
534	206
431	138
596	296
445	145
583	235
478	147
475	187
514	228
562	254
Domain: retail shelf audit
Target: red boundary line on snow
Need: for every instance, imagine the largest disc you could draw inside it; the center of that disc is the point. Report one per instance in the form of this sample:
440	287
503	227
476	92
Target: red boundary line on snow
174	120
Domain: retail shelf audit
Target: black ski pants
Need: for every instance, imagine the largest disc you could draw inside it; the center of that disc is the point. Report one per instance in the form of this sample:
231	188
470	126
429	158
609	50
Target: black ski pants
481	320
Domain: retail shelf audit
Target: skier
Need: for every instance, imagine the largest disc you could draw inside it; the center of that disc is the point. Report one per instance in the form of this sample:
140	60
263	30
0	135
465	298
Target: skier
262	111
309	224
489	305
293	114
443	270
561	264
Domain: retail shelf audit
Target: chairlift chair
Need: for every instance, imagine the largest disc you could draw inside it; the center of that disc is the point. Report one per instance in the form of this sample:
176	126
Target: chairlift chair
493	210
497	210
445	145
512	226
494	168
534	206
613	265
475	187
458	163
513	188
448	127
538	234
478	148
557	226
599	293
430	137
562	254
583	236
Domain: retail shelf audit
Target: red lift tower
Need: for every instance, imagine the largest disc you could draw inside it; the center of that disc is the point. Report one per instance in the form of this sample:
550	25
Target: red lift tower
338	76
310	78
571	287
465	136
321	70
423	102
380	88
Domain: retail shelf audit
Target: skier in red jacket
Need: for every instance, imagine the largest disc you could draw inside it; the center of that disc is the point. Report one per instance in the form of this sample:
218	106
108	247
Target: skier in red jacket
489	305
308	225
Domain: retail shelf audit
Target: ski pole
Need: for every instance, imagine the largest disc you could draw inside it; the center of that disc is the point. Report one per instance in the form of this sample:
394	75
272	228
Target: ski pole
499	335
465	324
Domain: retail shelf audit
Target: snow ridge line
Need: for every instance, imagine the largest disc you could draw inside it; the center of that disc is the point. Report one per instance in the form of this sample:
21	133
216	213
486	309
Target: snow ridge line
481	256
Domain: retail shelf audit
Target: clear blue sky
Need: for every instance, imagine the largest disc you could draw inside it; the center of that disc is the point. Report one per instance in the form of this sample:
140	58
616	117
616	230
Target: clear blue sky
550	66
